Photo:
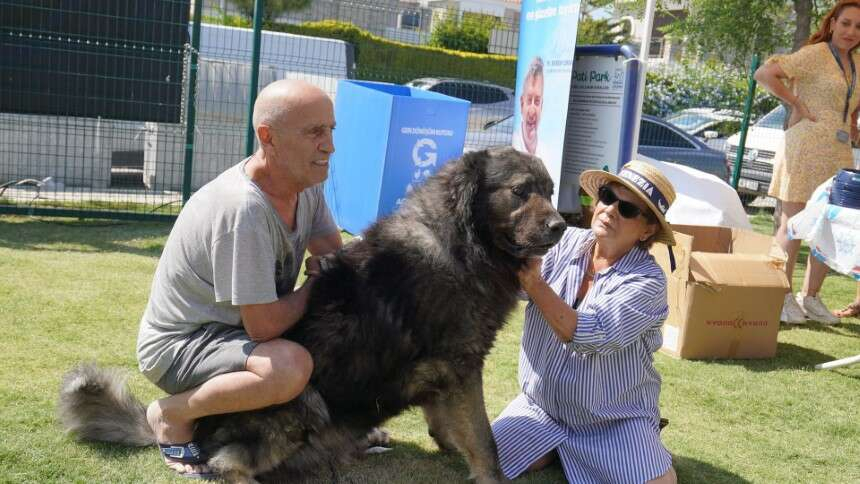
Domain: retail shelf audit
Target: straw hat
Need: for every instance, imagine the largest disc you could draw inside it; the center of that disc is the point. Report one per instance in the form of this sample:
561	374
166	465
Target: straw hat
643	180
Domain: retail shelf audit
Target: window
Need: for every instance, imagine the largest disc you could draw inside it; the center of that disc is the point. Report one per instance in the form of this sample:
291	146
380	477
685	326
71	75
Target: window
410	20
462	90
490	95
653	134
773	119
689	122
469	92
446	88
472	92
655	48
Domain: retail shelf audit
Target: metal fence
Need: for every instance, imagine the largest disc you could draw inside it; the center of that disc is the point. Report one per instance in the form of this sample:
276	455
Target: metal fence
78	89
101	114
123	109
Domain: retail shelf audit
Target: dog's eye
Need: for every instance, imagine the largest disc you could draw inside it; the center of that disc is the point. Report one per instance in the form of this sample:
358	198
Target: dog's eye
518	190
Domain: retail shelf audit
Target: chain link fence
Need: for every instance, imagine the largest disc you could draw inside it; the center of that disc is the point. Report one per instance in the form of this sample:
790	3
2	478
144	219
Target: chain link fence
98	117
78	87
117	109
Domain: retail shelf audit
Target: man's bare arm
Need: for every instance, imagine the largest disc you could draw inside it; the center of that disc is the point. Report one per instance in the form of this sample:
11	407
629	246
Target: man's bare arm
267	321
325	244
263	322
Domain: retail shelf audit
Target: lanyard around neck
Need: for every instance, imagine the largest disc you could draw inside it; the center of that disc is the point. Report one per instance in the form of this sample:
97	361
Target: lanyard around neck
853	77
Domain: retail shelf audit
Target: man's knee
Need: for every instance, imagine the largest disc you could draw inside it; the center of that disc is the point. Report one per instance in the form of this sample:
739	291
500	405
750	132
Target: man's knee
286	365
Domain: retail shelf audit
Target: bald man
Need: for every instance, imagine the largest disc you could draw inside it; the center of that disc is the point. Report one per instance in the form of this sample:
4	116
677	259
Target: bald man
224	288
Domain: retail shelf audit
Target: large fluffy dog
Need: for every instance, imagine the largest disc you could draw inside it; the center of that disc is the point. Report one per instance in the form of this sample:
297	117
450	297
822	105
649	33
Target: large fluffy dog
403	317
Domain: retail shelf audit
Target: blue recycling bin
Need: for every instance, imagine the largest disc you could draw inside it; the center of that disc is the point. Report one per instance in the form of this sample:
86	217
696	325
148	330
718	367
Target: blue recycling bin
389	139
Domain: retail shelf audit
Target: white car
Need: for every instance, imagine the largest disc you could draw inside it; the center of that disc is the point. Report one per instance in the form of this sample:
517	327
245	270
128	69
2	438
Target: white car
489	101
764	138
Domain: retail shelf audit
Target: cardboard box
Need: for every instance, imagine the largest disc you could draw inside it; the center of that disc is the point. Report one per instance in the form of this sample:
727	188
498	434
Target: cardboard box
725	295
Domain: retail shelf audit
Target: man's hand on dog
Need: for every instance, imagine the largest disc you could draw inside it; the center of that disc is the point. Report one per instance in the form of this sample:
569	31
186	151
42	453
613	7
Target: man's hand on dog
313	267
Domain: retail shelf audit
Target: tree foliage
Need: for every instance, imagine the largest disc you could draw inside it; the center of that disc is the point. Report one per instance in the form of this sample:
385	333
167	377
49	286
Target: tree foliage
593	30
588	8
272	9
733	30
469	32
599	31
694	85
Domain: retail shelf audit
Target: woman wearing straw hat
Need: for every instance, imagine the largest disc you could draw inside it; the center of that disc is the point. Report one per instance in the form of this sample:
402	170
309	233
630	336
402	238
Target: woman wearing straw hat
590	391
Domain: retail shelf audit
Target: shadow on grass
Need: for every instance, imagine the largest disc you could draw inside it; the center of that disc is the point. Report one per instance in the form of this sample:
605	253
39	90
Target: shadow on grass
847	328
693	470
77	235
114	451
788	357
409	463
406	463
846	371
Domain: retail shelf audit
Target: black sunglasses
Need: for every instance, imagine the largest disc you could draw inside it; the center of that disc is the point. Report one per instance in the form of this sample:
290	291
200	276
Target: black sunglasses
625	208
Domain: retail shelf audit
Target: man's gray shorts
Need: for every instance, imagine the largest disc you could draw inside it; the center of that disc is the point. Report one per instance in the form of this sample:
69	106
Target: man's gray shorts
210	351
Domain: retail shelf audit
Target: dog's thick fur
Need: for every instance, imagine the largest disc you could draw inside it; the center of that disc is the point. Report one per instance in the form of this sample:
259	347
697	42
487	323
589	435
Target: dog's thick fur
403	317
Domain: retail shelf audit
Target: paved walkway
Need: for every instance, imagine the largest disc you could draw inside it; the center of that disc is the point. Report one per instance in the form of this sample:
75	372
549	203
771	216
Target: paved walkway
27	194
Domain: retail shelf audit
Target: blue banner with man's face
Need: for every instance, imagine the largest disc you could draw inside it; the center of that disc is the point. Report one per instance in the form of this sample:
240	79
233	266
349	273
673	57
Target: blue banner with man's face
545	63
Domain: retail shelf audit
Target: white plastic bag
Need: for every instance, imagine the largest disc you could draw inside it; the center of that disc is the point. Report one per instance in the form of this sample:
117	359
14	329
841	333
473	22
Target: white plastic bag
832	232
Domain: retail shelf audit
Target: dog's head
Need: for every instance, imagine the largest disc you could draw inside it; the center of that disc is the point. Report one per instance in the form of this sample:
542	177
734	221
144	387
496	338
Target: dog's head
509	199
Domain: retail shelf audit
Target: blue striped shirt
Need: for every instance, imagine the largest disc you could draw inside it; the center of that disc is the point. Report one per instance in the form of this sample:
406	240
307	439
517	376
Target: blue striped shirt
595	398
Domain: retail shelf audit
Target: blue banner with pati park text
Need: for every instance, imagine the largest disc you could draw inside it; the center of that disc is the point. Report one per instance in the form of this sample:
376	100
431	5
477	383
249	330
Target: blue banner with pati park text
544	67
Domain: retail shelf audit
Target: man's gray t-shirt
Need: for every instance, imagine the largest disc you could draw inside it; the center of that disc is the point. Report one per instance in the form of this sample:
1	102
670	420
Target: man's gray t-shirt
228	247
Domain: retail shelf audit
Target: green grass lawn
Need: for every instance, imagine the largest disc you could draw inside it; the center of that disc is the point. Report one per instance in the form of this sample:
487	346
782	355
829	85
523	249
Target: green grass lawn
73	291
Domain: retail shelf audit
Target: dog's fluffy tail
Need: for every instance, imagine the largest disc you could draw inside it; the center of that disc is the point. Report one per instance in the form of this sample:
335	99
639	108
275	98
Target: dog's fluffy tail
96	404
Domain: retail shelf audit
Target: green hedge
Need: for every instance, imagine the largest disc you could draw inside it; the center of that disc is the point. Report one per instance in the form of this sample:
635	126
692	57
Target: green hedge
379	59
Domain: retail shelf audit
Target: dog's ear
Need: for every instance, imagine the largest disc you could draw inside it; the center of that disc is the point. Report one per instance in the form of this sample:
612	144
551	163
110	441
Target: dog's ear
463	185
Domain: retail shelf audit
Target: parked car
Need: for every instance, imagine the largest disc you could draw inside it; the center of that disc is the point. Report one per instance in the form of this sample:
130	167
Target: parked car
711	125
662	140
658	139
698	121
763	140
489	101
494	133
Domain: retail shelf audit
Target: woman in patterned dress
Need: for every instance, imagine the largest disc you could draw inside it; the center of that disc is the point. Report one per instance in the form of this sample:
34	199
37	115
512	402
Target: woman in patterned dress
590	391
822	89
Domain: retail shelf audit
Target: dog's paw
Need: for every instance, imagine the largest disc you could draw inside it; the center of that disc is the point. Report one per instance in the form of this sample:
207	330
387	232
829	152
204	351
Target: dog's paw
378	438
378	441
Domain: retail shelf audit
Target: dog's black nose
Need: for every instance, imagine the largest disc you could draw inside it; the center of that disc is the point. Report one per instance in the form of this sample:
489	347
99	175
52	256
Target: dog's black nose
556	225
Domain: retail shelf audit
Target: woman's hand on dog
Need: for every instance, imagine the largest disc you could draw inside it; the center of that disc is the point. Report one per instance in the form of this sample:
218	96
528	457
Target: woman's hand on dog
529	274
